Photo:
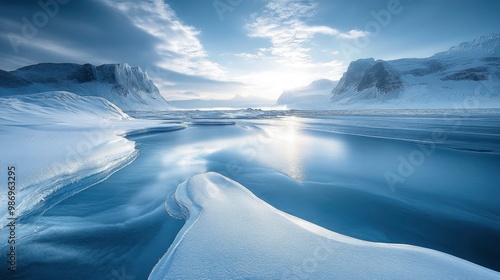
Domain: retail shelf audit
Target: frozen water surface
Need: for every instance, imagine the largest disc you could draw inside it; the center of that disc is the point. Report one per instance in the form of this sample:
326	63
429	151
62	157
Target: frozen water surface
427	178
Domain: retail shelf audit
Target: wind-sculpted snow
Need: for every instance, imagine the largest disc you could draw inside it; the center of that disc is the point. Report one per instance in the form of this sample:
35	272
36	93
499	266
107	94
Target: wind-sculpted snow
129	88
232	234
53	105
61	143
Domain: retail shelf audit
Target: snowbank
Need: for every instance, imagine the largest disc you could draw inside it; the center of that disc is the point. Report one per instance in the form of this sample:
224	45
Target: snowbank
232	234
61	143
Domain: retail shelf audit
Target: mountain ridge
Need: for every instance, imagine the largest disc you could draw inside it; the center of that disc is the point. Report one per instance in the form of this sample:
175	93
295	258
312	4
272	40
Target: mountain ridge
469	71
484	45
128	87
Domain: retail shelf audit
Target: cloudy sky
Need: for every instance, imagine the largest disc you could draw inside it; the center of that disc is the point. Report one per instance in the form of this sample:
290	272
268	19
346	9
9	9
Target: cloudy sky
214	49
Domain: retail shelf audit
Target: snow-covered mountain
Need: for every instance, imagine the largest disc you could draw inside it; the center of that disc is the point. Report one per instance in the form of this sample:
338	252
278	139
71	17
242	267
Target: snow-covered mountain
465	76
127	87
484	46
308	97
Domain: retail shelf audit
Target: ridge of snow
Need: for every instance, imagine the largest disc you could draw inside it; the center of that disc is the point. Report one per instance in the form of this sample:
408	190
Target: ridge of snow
484	45
230	233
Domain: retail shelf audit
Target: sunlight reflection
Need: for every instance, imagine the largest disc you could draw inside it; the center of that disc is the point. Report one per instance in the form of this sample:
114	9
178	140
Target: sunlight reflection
289	149
294	149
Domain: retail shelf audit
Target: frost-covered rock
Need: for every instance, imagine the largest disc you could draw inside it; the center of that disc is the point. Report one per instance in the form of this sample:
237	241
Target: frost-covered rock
352	77
368	79
128	87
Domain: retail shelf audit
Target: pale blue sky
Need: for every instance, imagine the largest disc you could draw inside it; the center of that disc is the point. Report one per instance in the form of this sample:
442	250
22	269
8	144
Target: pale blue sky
216	49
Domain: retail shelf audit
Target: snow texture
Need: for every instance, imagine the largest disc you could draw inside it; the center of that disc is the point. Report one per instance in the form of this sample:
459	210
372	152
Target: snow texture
82	141
234	234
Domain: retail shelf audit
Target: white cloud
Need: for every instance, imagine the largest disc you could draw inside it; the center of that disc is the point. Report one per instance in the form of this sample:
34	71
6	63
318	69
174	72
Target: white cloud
288	60
353	34
284	23
179	45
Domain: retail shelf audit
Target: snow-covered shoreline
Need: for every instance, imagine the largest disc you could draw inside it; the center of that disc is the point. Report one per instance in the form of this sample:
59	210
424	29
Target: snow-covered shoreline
60	139
63	143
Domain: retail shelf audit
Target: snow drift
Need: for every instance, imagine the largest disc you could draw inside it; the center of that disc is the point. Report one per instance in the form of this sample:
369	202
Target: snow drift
231	234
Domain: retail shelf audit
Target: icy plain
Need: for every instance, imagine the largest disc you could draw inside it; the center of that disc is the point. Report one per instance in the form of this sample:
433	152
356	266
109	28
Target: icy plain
356	182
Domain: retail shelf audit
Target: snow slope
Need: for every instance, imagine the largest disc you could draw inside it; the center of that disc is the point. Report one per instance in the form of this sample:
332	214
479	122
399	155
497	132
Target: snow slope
61	143
233	234
308	97
466	76
127	87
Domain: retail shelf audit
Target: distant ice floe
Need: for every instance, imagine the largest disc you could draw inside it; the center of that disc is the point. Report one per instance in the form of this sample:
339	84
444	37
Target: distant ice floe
232	234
